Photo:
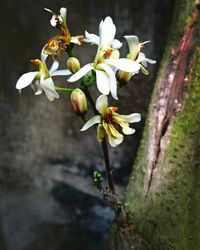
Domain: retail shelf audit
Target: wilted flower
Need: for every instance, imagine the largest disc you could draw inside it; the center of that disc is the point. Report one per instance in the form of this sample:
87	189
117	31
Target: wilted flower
79	102
60	22
104	61
109	120
43	78
55	46
60	43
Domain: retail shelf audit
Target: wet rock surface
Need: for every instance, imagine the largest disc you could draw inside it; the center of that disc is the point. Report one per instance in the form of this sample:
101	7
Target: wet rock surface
47	198
57	220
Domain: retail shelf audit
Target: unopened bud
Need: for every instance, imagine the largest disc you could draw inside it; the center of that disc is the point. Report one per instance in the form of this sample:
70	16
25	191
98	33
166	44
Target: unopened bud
79	102
73	64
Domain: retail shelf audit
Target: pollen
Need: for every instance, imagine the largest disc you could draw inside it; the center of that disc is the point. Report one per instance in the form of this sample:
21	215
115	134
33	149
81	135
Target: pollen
108	52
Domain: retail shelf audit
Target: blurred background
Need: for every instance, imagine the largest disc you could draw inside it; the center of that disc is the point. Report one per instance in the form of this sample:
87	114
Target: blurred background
47	198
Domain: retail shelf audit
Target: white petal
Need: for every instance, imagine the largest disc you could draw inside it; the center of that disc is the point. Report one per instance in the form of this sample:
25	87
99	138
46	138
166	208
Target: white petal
94	120
61	72
91	38
116	44
116	141
146	42
43	55
142	59
49	89
102	103
63	14
79	74
54	21
113	82
134	117
127	130
150	61
125	65
26	79
77	39
39	91
49	10
133	44
103	82
54	67
114	55
107	32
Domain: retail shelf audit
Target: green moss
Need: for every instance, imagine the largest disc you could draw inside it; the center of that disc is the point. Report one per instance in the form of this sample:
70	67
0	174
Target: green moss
169	217
186	168
182	12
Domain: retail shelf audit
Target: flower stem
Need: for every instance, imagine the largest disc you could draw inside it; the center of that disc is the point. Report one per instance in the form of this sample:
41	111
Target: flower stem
63	89
103	144
108	167
89	97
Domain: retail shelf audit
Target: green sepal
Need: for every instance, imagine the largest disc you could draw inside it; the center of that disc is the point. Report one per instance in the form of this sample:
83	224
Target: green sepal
89	79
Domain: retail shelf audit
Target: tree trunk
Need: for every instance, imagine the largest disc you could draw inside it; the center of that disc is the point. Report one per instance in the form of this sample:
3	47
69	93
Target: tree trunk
162	201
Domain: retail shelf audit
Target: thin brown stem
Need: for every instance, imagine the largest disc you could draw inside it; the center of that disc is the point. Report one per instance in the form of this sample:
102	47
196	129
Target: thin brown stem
108	167
89	97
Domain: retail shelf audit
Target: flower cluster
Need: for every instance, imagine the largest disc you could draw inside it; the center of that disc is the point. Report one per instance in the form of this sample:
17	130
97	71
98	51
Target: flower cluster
108	71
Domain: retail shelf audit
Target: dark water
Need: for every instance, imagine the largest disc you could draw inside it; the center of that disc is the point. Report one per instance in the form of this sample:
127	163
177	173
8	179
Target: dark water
47	197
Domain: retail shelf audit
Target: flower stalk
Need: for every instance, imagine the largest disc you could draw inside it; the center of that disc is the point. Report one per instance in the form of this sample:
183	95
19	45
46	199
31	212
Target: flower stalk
63	89
108	167
103	145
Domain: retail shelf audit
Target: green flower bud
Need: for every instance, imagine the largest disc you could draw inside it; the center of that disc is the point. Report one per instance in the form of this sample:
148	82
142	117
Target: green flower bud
79	102
73	64
97	177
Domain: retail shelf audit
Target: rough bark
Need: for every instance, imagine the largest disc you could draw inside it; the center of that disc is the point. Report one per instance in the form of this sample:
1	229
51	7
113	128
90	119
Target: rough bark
163	197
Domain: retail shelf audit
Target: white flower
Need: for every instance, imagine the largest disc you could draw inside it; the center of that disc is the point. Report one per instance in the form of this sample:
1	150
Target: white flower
136	56
104	65
108	120
105	40
105	75
43	78
135	53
